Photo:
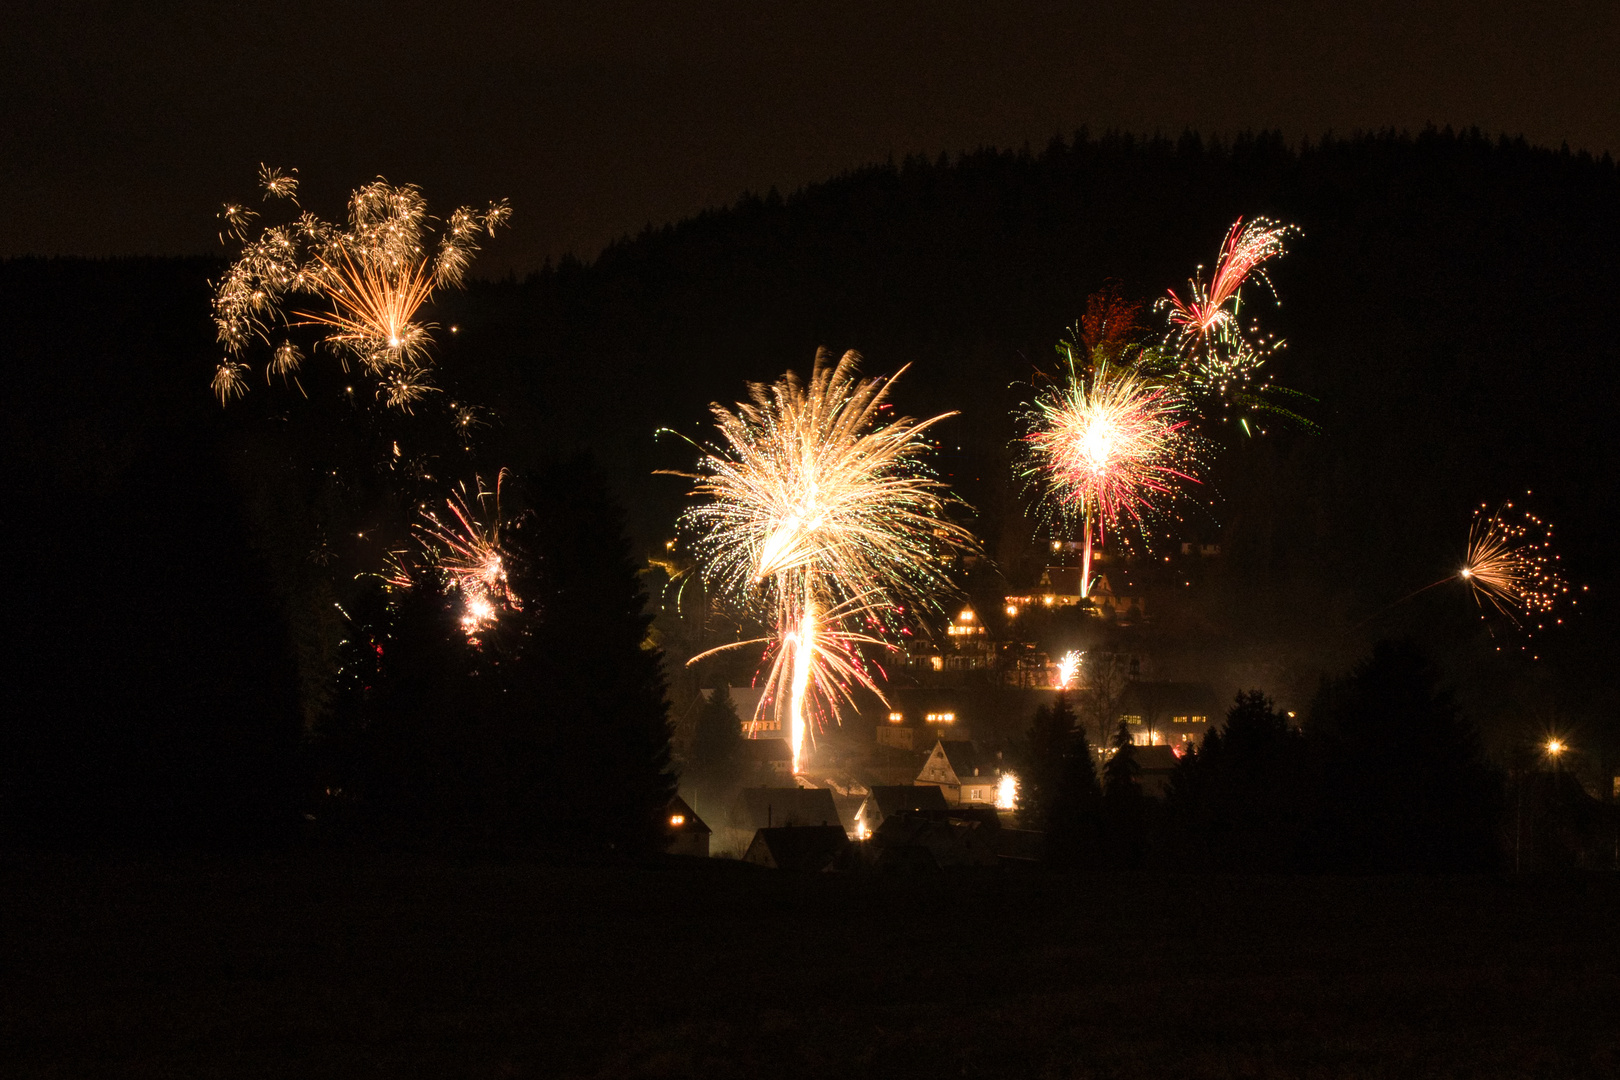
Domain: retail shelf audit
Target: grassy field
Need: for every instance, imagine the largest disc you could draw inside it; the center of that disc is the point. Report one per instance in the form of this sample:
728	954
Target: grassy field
347	966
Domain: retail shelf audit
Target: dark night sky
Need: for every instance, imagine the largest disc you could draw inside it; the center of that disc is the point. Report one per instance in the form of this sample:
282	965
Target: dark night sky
122	126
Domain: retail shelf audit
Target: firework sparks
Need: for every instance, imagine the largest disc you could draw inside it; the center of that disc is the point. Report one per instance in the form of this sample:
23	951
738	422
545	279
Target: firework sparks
468	552
1068	667
820	516
375	274
1206	310
1110	444
1007	792
1511	567
1206	345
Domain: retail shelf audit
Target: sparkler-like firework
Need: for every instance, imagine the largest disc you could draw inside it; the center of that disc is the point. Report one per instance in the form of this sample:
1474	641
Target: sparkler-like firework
1068	667
822	519
466	549
1112	444
1510	565
375	275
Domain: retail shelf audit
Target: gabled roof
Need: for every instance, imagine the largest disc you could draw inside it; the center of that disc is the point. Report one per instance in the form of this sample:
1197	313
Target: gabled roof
964	758
764	751
811	848
908	799
947	842
765	807
689	822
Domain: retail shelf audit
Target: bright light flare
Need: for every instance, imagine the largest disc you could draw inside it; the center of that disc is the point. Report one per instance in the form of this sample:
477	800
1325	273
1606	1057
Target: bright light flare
1007	792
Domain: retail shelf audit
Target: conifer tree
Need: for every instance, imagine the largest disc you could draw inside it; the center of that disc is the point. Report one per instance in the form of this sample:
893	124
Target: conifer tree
1124	806
713	772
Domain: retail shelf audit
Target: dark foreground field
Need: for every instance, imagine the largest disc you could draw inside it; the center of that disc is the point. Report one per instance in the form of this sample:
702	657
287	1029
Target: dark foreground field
342	966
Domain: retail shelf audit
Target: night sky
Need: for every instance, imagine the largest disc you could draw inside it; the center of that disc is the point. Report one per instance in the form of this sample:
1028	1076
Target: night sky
123	126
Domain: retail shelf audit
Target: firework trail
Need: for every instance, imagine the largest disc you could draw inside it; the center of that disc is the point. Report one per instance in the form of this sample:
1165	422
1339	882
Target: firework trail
465	546
822	519
1111	445
374	274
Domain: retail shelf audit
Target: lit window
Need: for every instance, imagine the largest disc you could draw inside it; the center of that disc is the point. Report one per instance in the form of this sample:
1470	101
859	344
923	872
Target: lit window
1131	719
966	616
894	718
677	819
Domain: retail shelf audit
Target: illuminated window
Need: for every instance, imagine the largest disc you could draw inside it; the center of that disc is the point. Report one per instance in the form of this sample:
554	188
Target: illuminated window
677	819
894	718
939	663
1200	719
1131	719
1180	719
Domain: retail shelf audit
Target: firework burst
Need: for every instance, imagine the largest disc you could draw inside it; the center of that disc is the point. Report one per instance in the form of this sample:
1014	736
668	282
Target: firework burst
821	516
374	274
1110	445
1210	310
465	546
1206	345
1511	568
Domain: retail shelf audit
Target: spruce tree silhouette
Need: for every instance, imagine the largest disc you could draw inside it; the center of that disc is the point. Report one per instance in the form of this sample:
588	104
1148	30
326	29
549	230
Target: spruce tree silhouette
1237	802
1402	778
1123	804
1057	789
713	774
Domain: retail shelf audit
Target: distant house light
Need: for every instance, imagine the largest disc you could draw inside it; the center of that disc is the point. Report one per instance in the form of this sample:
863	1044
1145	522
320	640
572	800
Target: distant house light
677	819
941	718
895	718
967	615
1012	611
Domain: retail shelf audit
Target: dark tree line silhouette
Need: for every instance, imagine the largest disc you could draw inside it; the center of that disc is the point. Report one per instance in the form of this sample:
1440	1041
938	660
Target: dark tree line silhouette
1385	775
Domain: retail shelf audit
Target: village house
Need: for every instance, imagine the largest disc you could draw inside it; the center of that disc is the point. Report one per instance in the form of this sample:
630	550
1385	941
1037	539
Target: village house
917	718
1168	713
766	761
774	807
918	842
962	775
886	800
687	833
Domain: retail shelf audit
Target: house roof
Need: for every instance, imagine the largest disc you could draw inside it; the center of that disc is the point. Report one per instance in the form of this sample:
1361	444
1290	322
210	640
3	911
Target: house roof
902	799
764	751
948	842
964	758
690	822
810	848
765	807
